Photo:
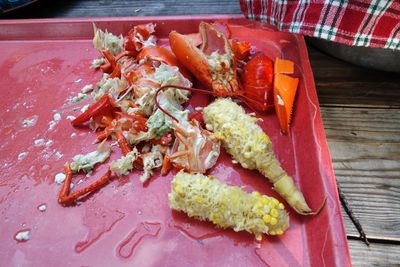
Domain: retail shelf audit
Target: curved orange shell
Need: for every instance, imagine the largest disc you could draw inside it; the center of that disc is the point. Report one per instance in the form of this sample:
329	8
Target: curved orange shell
165	56
191	57
285	88
215	51
257	80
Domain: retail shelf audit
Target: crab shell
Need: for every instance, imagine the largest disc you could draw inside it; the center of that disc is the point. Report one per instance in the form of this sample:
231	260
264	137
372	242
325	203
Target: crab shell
285	88
163	55
195	149
213	64
257	80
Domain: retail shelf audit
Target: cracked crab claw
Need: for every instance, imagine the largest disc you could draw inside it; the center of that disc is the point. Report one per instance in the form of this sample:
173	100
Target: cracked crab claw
213	64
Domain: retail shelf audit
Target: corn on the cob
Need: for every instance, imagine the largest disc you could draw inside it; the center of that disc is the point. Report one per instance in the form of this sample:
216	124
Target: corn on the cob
206	198
247	143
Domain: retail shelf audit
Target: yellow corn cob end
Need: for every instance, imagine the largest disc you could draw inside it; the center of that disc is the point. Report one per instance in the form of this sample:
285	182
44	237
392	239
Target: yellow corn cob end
247	143
227	206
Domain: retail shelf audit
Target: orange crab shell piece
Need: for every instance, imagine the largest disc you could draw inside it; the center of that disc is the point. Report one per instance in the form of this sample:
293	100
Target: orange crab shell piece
139	71
67	198
285	88
197	60
191	57
194	149
283	66
241	50
163	55
257	80
222	27
133	41
195	38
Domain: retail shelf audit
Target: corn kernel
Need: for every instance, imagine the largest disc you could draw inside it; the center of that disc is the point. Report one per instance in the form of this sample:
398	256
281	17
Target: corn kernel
281	206
200	200
265	202
272	232
274	213
273	221
178	189
267	218
279	232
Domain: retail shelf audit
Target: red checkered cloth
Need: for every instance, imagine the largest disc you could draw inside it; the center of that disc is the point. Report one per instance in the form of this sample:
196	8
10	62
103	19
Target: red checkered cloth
371	23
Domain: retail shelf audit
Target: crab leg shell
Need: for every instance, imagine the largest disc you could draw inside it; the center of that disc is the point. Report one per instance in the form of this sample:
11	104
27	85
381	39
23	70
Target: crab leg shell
66	198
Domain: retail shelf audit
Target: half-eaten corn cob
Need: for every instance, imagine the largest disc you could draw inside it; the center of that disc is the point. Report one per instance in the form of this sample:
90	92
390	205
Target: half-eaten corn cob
206	198
247	143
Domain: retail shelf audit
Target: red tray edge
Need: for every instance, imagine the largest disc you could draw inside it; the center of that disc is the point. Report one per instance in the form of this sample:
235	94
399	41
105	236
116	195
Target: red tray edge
330	182
340	239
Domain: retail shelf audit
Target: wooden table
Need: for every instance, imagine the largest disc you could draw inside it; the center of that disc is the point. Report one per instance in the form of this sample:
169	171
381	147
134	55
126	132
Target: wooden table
360	110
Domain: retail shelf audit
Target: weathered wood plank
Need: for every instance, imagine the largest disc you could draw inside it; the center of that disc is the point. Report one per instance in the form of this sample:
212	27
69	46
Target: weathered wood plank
365	150
340	83
100	8
374	255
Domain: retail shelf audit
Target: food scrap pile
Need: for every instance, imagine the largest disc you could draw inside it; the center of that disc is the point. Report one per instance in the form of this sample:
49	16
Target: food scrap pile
139	103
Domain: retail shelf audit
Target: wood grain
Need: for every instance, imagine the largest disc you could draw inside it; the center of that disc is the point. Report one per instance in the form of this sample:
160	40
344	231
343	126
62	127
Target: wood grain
365	150
107	8
342	84
374	255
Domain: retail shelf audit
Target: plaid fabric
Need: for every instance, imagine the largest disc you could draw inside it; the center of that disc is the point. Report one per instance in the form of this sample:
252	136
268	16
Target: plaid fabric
371	23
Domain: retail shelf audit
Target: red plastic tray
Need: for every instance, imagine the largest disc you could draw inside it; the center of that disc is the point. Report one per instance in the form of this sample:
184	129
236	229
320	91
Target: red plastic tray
43	62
